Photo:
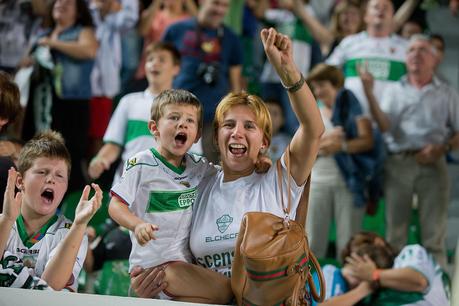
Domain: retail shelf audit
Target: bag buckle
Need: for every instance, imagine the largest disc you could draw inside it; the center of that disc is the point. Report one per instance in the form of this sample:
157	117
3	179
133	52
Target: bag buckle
286	221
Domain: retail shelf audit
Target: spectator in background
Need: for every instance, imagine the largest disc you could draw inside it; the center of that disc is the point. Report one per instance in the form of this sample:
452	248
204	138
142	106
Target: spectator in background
438	42
420	115
10	107
306	53
383	53
112	18
73	47
10	147
346	20
16	22
371	275
340	176
211	61
279	140
153	22
410	28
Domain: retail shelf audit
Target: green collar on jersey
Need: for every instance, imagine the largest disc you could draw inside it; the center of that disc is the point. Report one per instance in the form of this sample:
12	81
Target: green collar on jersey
27	240
178	170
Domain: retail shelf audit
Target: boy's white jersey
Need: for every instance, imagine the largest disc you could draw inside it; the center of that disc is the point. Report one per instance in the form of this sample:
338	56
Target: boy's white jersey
384	58
128	128
161	194
37	249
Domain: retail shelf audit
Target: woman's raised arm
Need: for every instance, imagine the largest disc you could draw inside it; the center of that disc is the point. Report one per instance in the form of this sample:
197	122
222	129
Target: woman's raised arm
305	143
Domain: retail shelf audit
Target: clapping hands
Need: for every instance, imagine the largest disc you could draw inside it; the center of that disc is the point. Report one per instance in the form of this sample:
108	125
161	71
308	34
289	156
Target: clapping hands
12	201
87	208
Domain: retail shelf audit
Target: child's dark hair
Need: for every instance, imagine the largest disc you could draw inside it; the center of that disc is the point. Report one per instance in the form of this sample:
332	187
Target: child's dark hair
10	106
164	46
365	238
175	96
380	255
83	14
48	144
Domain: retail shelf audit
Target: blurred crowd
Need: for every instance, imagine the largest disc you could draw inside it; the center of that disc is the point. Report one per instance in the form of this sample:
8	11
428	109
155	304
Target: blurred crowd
91	68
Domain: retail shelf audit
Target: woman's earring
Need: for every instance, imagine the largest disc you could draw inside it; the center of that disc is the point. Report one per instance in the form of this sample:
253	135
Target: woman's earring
263	150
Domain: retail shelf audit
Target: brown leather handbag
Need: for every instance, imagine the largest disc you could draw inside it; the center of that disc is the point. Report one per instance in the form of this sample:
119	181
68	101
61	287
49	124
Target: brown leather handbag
272	258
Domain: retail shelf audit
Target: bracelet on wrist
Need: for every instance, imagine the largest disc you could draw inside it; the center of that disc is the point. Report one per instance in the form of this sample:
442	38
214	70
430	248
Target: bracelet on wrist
376	275
295	87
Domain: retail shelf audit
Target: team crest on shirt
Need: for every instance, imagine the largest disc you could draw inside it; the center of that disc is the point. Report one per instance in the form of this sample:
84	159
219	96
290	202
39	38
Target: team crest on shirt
224	222
131	163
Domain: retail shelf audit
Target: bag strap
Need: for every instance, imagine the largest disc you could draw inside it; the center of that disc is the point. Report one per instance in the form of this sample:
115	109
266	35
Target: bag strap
302	209
318	298
279	181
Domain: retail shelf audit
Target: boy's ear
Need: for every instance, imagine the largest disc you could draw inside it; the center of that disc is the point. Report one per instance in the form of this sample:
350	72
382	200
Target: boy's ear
153	127
175	70
19	182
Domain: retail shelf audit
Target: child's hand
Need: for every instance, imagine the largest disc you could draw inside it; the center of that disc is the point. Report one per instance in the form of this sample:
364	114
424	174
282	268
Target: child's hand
12	202
144	232
97	166
87	208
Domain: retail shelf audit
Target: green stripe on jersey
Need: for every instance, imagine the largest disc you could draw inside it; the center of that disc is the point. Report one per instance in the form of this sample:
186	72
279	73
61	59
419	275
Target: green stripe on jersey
380	68
27	240
164	201
136	128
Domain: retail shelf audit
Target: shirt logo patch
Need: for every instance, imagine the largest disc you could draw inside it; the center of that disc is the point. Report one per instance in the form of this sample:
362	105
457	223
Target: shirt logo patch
186	199
224	222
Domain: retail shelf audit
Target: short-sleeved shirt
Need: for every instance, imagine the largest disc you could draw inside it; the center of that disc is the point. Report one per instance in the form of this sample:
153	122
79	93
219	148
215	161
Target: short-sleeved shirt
221	206
128	128
420	116
335	284
417	258
161	194
386	57
38	249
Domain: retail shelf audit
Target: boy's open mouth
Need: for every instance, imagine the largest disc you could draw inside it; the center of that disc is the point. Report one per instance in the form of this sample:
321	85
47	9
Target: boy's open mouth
48	195
237	149
181	138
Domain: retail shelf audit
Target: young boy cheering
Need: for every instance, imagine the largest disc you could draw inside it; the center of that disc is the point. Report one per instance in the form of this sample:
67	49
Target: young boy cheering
155	196
128	133
51	246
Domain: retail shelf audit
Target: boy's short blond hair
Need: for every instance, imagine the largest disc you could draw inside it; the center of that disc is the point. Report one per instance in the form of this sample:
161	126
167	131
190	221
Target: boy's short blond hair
178	97
48	144
255	103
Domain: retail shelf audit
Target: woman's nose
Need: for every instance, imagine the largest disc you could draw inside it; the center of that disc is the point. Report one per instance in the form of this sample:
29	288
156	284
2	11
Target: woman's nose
237	131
